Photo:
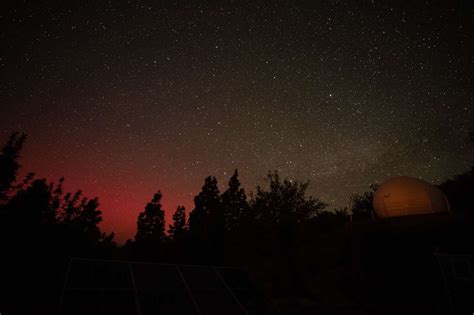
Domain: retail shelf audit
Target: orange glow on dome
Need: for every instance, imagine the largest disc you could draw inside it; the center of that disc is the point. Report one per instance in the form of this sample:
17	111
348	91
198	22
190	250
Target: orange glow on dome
404	196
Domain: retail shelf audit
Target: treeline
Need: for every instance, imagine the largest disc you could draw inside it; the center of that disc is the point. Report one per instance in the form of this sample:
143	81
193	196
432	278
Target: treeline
41	209
220	222
293	243
34	211
41	227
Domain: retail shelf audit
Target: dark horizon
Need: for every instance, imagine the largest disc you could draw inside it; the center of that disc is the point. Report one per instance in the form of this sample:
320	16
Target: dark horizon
170	206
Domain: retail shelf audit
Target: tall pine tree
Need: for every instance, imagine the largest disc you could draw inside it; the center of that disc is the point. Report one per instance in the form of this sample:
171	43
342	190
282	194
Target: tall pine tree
234	204
9	164
151	222
207	217
177	229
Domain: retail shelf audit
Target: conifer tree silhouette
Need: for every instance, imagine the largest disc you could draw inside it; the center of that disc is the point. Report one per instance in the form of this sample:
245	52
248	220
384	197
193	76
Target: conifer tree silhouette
234	204
177	229
151	222
207	218
9	163
89	217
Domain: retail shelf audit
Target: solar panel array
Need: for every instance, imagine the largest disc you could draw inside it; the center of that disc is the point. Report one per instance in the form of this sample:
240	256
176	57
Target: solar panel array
136	288
457	271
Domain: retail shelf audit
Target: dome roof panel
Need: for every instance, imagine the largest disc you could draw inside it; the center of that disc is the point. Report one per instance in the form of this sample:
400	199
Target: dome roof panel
403	196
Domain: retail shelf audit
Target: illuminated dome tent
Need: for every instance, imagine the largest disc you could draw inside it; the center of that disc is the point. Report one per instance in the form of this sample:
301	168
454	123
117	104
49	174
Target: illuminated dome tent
405	196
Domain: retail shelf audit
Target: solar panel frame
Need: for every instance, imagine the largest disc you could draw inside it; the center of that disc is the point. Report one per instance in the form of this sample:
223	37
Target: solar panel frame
157	287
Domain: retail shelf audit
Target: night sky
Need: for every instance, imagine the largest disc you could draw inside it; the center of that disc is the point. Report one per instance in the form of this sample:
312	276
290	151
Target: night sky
123	99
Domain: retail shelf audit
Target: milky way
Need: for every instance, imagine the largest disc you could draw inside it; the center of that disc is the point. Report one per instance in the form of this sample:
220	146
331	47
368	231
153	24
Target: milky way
126	99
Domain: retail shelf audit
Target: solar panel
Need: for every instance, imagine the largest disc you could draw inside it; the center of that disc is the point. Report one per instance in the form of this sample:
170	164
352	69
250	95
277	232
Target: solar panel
210	292
160	290
116	302
122	287
244	290
99	274
457	270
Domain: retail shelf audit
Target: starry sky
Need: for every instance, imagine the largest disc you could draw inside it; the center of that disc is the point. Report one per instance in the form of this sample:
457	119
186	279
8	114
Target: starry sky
123	98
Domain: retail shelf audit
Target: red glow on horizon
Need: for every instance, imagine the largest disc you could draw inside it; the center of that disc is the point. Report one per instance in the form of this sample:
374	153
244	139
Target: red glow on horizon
120	202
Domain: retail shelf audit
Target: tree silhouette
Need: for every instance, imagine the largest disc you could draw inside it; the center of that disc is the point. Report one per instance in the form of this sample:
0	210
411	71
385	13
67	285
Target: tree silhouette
90	216
177	230
9	164
56	193
234	204
78	212
282	212
282	233
207	218
31	206
70	208
151	222
40	229
285	203
362	205
460	192
460	189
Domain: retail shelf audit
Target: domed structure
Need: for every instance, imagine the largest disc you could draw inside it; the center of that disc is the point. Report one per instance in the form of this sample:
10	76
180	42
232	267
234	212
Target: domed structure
404	196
